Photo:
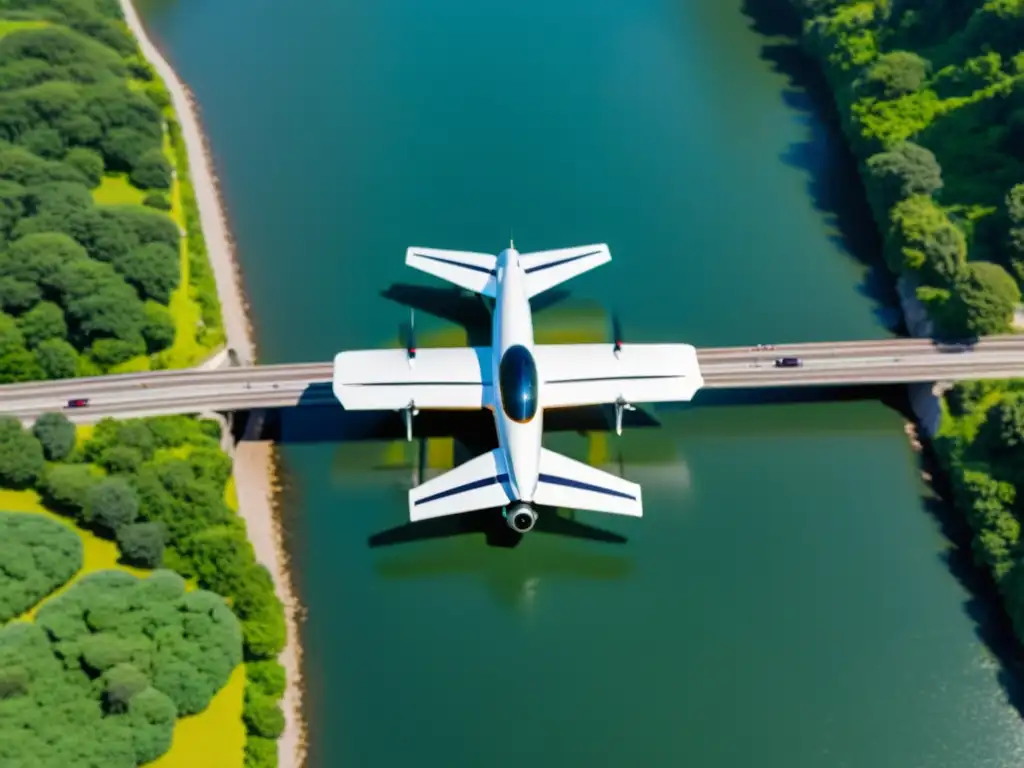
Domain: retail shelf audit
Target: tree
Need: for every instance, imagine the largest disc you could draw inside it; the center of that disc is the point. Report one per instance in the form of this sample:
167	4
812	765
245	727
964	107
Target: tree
88	162
151	170
58	359
37	555
906	169
894	74
11	338
20	365
110	504
122	681
988	296
260	752
1000	439
123	148
268	676
159	329
21	455
17	295
45	142
19	165
262	715
38	258
153	270
65	487
12	206
121	459
56	434
43	322
142	544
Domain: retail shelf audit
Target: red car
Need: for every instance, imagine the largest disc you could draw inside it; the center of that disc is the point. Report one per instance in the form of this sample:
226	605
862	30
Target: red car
79	402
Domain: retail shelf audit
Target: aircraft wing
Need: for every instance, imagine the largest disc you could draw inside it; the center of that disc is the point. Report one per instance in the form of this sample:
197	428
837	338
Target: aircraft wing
466	269
571	484
546	269
480	483
382	379
592	374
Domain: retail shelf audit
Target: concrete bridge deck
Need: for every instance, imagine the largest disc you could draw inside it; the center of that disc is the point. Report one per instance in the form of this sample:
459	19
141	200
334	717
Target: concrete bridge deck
891	361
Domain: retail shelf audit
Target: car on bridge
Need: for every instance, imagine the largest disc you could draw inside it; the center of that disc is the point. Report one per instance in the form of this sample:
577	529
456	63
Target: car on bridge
788	362
78	402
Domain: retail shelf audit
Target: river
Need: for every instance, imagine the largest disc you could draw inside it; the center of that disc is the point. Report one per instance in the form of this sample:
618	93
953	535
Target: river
789	598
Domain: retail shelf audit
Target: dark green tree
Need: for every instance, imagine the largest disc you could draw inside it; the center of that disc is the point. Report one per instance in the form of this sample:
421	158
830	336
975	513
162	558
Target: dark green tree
152	171
56	434
65	487
142	544
159	329
110	504
894	74
57	359
43	322
21	455
153	269
89	163
906	169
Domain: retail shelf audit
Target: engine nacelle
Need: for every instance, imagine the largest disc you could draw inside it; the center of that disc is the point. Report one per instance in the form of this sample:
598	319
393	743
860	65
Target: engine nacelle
521	517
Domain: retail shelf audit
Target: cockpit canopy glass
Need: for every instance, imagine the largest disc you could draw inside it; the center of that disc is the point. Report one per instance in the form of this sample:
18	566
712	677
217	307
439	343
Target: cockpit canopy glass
517	380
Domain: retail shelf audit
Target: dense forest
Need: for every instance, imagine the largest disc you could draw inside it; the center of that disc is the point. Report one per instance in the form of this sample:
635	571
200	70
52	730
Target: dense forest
931	93
156	487
87	287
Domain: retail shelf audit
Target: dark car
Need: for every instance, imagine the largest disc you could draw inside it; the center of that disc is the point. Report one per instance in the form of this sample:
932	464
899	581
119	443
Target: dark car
78	402
788	362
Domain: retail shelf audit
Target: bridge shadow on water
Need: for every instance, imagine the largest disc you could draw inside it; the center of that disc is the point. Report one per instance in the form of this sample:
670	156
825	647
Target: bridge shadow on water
833	182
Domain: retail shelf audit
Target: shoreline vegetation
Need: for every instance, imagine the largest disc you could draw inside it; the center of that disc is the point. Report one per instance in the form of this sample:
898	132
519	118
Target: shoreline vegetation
116	257
930	95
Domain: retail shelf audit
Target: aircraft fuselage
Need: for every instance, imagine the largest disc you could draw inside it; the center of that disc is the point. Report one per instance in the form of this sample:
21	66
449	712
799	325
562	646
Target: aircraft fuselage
518	416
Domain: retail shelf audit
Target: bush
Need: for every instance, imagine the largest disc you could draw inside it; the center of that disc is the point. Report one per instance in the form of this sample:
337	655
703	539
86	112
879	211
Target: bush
152	171
894	74
268	676
58	359
56	434
153	270
907	169
110	504
43	322
262	716
88	162
37	555
159	329
260	752
21	455
65	487
157	200
142	544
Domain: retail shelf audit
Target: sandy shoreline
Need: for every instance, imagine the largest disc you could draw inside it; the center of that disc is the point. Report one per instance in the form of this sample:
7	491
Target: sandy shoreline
254	467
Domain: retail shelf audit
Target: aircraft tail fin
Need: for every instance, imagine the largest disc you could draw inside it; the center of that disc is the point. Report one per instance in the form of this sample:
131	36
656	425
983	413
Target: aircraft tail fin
466	269
480	483
546	269
571	484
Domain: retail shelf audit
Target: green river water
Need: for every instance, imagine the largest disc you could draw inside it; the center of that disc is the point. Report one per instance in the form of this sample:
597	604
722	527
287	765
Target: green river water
789	598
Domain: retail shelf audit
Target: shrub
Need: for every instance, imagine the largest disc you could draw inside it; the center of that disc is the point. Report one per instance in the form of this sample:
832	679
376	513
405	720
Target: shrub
152	171
260	752
56	434
110	504
37	555
262	716
88	162
65	487
906	169
142	544
157	200
21	455
58	359
268	676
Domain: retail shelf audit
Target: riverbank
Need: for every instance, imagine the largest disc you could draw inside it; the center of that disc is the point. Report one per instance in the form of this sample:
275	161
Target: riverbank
918	103
254	465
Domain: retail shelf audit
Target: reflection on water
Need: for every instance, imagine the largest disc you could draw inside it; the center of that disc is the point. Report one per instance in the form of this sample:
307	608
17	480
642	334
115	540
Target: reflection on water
513	578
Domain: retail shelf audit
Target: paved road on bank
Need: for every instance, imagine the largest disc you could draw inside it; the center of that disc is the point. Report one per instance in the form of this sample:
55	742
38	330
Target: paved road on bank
892	361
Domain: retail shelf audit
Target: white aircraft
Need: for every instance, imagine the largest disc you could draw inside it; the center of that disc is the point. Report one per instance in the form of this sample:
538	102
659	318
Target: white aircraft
517	380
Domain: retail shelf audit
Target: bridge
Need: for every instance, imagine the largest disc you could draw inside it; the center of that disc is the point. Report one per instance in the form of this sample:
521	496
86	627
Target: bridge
891	361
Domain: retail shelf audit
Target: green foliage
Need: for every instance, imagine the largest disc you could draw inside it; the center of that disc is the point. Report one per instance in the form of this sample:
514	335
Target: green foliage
157	200
142	544
56	434
153	270
151	170
894	74
907	169
262	716
88	162
43	322
58	359
21	455
65	487
268	676
110	504
155	653
260	752
37	555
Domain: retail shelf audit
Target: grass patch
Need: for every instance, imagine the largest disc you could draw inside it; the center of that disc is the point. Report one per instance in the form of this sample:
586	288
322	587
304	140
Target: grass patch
215	738
115	189
13	25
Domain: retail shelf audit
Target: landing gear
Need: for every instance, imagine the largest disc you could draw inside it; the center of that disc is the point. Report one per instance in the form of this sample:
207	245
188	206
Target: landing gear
408	413
621	406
